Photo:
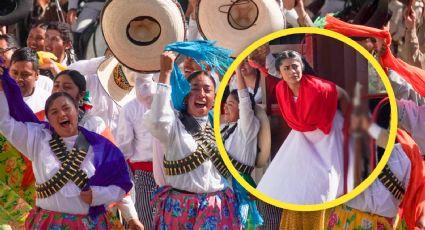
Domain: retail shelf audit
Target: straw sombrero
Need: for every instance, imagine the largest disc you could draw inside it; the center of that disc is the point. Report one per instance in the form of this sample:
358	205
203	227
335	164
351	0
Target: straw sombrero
237	24
263	137
137	31
122	90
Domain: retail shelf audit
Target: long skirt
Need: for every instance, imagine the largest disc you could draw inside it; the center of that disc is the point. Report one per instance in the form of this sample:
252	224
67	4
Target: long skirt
303	220
144	186
344	217
177	209
45	219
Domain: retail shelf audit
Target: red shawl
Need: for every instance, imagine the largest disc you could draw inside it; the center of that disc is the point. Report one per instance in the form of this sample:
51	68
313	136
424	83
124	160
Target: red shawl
414	199
413	75
315	107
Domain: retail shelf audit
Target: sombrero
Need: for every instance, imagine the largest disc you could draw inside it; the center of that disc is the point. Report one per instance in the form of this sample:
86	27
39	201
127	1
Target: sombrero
263	138
137	31
119	87
237	24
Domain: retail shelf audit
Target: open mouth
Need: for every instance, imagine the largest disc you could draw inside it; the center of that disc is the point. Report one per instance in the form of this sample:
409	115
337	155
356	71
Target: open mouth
65	123
200	104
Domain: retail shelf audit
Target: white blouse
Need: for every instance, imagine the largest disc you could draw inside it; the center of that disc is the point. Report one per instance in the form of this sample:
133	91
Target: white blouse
37	100
163	123
242	143
33	140
411	118
377	199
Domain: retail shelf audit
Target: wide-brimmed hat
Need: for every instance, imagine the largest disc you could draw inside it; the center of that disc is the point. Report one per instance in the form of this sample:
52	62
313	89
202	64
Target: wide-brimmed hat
237	24
137	31
120	88
374	13
263	137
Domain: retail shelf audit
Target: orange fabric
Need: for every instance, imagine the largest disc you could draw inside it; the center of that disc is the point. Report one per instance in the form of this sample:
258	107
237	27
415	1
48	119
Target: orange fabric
40	115
28	177
412	74
106	133
315	107
414	198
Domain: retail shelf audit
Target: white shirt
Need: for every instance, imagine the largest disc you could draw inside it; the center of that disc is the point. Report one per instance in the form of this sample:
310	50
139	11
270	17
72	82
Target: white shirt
133	139
377	199
412	119
257	96
242	143
103	105
403	90
45	83
163	123
37	100
33	140
87	67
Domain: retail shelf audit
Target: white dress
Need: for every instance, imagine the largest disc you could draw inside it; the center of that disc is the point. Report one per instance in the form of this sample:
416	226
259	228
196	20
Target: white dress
308	168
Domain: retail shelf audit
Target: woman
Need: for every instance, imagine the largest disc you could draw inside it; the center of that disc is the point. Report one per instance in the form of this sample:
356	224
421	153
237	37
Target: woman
74	84
252	79
240	140
197	196
99	175
311	158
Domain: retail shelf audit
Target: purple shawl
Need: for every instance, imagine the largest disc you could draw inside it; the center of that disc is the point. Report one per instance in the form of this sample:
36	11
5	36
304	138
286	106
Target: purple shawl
111	168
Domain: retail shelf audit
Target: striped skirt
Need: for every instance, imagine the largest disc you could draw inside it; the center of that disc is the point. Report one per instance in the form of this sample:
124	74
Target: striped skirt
184	210
144	186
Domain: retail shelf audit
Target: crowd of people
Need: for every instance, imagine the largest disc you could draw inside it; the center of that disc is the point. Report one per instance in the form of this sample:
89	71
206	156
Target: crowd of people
132	129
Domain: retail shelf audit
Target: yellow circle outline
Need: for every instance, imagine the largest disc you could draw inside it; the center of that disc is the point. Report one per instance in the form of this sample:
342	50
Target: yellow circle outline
364	184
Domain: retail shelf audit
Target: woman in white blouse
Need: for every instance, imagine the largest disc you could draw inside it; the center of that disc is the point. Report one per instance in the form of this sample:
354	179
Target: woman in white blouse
68	195
197	195
239	135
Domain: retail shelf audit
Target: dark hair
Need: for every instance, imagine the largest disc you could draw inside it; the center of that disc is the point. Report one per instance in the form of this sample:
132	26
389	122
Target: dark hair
10	40
288	54
64	30
198	73
235	95
53	98
38	24
25	54
76	77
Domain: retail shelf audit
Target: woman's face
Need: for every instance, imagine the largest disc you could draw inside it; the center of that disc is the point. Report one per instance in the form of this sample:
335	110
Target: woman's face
291	71
63	117
36	38
201	96
64	83
246	69
231	109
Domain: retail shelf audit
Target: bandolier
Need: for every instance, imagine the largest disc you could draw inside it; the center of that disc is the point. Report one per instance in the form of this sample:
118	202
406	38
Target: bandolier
392	183
70	166
206	150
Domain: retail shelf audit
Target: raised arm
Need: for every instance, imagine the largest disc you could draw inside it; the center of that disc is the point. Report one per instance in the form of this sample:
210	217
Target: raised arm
249	124
18	133
160	118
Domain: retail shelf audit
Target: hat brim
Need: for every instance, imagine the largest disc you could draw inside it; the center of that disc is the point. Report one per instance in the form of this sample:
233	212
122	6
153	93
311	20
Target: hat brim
263	138
213	24
105	74
145	58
